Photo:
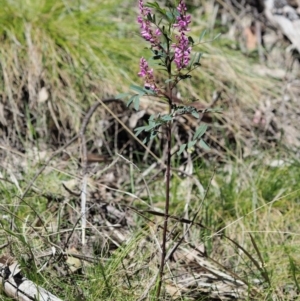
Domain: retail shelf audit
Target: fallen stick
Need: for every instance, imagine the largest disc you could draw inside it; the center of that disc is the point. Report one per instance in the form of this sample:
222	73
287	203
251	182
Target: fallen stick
20	288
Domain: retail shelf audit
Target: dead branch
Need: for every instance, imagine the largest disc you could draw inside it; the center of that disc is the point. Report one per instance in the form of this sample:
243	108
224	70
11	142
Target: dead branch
19	287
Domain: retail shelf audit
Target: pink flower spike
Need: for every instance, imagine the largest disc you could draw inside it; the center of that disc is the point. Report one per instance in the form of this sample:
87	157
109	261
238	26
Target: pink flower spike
147	73
149	34
182	49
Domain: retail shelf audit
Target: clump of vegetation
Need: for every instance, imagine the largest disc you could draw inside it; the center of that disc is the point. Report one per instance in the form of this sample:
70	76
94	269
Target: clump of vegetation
58	58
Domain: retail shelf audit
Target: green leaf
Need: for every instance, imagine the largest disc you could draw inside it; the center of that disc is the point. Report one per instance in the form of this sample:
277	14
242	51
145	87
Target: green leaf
122	95
151	118
202	35
131	99
148	91
176	13
190	146
192	60
136	102
181	149
198	58
204	145
151	126
196	62
191	143
152	5
153	135
216	36
195	114
167	118
139	130
170	17
162	11
156	6
138	89
149	137
141	90
200	131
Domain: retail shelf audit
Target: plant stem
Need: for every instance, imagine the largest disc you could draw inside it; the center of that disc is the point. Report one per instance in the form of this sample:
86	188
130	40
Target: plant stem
168	180
167	204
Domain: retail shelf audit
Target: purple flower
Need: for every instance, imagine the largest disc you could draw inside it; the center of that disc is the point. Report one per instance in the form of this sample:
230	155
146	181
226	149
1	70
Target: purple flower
182	51
182	48
147	73
183	20
148	33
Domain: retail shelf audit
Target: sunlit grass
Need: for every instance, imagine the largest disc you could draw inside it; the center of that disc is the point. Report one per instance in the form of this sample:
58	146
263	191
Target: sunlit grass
75	49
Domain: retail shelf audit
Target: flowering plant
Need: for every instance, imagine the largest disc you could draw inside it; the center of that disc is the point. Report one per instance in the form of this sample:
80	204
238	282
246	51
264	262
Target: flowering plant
172	47
166	32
